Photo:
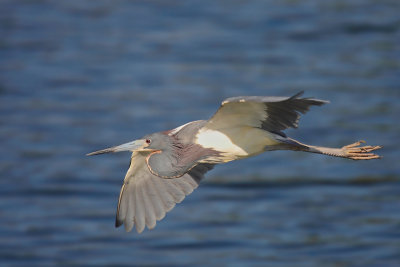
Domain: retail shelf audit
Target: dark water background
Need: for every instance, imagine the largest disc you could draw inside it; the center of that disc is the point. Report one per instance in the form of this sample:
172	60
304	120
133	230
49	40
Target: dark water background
77	76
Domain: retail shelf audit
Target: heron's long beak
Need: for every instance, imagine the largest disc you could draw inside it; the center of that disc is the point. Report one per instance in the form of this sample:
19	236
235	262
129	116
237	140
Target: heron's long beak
131	146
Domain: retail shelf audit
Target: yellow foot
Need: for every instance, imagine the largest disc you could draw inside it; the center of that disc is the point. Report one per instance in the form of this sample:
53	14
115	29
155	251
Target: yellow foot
357	152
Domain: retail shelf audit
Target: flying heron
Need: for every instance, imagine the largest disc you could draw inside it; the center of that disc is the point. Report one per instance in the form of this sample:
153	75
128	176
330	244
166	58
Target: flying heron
167	166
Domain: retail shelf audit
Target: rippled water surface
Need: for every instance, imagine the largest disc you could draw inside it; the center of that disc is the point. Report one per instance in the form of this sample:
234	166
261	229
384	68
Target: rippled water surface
76	76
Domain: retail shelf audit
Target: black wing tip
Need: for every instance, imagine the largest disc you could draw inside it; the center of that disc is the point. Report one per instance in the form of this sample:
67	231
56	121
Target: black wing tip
313	101
298	94
118	222
317	102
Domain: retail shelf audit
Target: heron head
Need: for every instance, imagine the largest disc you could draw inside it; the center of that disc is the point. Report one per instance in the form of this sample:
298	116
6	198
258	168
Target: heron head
157	141
148	143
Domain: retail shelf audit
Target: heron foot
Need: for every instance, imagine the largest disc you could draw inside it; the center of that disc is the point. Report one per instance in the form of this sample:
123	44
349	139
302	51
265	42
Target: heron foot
356	152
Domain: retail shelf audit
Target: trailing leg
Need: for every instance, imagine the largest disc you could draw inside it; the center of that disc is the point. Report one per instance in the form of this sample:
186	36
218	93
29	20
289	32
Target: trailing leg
353	151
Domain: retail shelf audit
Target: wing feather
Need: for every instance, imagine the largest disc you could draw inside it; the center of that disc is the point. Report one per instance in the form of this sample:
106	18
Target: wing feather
184	187
146	198
150	213
270	113
158	204
177	193
139	207
122	206
167	198
128	217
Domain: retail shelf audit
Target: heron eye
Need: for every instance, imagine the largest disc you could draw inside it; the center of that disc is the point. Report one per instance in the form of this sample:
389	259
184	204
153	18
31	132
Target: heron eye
148	141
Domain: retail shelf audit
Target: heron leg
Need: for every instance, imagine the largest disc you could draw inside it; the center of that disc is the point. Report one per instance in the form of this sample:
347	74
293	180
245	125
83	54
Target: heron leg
352	151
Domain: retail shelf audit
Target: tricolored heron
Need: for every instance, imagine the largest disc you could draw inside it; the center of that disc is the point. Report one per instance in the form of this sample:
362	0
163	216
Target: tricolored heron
167	166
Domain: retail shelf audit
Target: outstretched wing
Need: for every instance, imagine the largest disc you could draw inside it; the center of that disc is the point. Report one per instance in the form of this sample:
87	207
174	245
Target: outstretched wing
270	113
145	198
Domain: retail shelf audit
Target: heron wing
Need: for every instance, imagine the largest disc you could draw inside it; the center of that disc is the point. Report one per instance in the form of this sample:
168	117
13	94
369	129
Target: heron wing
145	198
270	113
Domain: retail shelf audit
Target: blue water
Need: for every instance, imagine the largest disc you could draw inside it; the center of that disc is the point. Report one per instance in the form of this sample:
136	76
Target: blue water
76	76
